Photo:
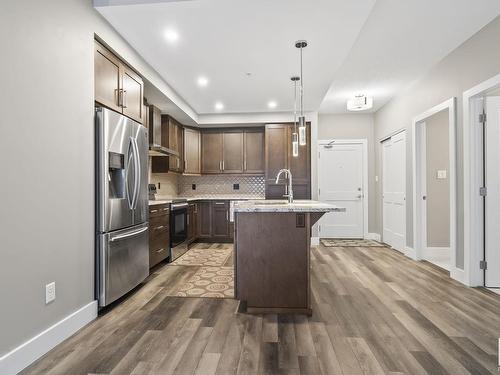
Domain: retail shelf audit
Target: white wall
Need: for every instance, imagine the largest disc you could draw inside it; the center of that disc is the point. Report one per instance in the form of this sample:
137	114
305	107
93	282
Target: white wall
354	126
47	159
473	62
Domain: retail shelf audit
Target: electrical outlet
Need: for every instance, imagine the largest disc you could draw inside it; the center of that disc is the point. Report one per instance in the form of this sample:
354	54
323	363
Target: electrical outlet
236	186
193	186
50	292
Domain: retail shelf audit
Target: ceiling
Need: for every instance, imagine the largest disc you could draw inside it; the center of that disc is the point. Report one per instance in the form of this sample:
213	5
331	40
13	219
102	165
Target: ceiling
364	46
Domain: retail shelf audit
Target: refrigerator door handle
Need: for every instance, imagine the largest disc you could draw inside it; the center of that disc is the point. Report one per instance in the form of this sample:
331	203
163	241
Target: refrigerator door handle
128	235
137	173
130	157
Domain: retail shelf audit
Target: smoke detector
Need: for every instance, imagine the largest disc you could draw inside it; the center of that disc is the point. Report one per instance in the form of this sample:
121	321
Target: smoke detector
359	103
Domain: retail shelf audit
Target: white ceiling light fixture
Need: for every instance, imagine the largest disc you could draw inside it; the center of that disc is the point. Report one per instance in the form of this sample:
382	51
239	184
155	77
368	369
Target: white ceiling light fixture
301	44
295	136
202	81
219	106
272	104
171	35
360	102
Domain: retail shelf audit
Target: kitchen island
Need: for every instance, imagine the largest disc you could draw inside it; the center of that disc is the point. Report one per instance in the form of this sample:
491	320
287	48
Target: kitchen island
272	252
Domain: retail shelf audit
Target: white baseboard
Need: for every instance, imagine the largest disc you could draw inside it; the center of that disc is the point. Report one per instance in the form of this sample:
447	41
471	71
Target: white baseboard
373	236
28	352
411	253
314	241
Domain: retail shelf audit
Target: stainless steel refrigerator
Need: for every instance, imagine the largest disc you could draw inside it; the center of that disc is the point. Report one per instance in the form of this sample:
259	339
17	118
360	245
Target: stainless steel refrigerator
122	246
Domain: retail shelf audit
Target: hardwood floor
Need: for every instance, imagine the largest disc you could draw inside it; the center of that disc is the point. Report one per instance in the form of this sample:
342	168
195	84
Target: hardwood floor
374	312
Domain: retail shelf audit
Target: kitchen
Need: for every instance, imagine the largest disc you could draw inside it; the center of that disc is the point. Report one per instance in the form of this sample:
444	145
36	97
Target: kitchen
208	172
219	187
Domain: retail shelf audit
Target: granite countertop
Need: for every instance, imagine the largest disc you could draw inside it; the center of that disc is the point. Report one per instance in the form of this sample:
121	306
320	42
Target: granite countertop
163	200
284	206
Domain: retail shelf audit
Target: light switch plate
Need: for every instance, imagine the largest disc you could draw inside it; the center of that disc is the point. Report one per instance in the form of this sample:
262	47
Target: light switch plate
50	292
441	174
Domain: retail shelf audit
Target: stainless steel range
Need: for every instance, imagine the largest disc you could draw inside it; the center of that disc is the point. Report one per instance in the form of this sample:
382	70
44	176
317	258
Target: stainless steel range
178	228
122	238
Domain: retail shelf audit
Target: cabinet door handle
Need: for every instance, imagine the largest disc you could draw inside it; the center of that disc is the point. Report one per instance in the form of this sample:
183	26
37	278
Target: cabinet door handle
153	211
118	94
159	227
222	164
245	165
160	250
178	162
165	209
227	215
220	203
124	98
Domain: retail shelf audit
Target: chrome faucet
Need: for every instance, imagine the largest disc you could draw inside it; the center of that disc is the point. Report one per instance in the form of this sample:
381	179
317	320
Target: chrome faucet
289	190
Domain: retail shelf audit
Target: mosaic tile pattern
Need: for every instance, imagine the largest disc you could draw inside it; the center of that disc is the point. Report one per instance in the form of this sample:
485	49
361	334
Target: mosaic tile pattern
204	255
350	243
207	186
209	282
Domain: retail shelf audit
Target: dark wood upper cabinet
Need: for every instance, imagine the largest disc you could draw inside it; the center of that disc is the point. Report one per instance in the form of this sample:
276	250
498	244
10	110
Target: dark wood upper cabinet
276	149
116	85
220	219
278	155
211	152
253	153
192	151
132	94
107	77
175	142
232	151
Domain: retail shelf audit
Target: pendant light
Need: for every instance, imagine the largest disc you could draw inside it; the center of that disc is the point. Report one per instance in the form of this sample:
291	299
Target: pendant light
301	44
295	136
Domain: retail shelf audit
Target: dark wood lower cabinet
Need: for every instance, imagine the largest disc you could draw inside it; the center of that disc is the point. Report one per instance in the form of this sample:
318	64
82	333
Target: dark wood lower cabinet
220	219
159	233
213	221
192	222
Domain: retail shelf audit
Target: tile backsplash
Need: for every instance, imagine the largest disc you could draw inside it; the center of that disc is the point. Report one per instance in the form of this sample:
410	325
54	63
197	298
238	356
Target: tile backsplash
208	185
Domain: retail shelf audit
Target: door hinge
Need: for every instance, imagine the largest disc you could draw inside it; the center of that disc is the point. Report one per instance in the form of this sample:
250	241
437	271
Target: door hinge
482	118
483	265
483	191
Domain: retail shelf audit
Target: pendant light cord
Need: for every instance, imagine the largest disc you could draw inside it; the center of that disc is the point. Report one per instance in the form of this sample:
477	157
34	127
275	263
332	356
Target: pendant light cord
301	86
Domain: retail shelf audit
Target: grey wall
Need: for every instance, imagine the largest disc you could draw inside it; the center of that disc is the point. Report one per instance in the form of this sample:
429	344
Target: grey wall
438	190
354	126
473	62
47	154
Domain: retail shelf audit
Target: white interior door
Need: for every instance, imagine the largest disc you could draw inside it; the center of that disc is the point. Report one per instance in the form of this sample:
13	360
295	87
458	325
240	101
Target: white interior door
340	178
492	200
394	191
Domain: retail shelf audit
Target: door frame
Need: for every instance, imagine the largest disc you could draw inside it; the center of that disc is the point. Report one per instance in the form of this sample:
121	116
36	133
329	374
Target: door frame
472	275
364	143
419	178
406	250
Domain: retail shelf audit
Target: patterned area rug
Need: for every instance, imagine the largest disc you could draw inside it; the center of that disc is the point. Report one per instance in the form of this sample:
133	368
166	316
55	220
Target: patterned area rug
202	255
350	243
212	282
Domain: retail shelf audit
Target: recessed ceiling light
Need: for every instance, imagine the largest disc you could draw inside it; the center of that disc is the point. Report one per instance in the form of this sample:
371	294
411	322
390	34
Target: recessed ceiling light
272	104
202	81
219	106
171	35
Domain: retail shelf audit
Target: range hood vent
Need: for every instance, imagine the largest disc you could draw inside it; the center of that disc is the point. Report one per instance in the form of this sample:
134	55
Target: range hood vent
156	147
158	150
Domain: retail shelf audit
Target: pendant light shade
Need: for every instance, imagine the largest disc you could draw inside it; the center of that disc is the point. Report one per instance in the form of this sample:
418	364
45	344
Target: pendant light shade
295	135
301	44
